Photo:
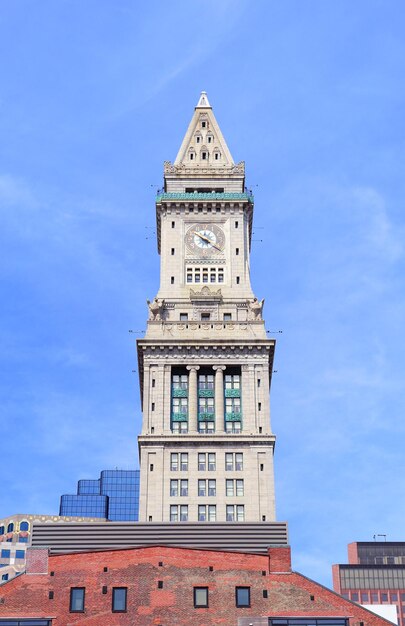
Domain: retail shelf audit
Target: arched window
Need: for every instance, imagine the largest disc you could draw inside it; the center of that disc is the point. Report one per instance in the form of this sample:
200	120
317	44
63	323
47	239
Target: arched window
204	154
191	155
24	526
1	530
10	527
217	155
210	138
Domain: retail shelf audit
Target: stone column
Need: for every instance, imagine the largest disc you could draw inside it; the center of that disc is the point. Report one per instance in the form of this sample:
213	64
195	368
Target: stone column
219	398
192	398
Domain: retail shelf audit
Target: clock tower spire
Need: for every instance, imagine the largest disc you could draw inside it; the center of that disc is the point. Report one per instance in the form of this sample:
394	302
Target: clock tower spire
206	448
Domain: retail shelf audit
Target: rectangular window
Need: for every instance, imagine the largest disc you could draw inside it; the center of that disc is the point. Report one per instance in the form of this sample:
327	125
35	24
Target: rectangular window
234	427
242	596
202	461
180	382
233	461
202	513
240	512
235	513
183	513
183	317
212	513
77	599
211	461
174	462
119	599
232	405
205	274
202	488
206	381
184	461
229	488
172	280
5	554
201	597
174	513
172	251
232	381
20	554
227	317
208	428
230	513
184	487
212	487
174	488
239	488
205	317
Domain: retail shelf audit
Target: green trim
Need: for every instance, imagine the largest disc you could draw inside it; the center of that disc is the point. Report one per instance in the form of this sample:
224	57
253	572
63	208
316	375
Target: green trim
179	393
206	417
205	196
232	393
179	417
233	417
206	393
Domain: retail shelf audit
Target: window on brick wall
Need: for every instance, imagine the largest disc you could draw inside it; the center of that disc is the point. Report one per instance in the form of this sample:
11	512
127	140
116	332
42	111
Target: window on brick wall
77	599
200	597
242	596
119	599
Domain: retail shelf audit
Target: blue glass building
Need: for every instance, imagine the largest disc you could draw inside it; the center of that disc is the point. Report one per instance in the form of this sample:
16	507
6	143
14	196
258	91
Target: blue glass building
114	496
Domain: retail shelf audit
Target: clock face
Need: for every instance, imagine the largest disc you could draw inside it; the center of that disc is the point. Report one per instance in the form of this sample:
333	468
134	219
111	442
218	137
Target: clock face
205	239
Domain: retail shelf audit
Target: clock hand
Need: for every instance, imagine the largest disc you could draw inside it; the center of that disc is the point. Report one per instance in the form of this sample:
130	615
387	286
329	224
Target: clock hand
204	238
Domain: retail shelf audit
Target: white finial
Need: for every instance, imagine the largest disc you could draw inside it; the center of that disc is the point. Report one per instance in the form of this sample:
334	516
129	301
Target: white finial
203	101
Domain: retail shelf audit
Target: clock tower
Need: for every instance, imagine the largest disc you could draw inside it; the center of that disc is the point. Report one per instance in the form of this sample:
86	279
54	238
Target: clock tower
206	447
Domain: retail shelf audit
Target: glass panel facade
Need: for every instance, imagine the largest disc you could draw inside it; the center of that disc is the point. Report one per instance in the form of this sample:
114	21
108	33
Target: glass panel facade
117	498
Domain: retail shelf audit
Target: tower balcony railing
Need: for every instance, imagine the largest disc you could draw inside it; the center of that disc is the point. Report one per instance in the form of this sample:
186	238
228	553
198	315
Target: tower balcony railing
179	417
179	393
233	416
206	393
232	393
206	416
162	196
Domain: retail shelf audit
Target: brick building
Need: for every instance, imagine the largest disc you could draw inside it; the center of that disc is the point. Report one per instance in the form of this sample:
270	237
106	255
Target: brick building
374	576
163	586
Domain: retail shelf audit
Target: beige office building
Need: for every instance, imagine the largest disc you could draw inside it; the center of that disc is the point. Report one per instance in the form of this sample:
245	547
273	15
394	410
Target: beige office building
206	447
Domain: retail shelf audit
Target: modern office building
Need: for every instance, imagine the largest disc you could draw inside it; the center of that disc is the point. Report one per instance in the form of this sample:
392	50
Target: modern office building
16	537
114	496
374	576
206	447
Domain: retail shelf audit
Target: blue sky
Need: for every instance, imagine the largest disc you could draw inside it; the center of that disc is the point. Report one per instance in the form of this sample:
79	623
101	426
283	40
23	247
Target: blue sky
94	96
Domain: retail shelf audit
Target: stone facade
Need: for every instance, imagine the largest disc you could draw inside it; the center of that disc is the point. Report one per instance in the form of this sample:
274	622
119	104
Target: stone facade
205	362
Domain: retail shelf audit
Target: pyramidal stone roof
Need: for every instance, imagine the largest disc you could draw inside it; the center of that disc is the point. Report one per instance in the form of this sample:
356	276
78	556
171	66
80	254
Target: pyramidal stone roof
204	144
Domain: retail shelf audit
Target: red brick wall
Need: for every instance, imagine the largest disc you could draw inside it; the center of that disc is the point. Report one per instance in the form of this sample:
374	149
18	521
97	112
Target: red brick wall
182	569
280	559
36	561
336	578
352	553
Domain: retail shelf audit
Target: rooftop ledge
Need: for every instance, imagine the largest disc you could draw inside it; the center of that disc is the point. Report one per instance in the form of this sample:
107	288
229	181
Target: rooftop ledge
248	197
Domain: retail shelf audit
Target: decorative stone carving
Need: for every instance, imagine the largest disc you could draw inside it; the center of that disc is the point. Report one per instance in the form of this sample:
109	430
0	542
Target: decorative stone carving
206	294
156	309
255	309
